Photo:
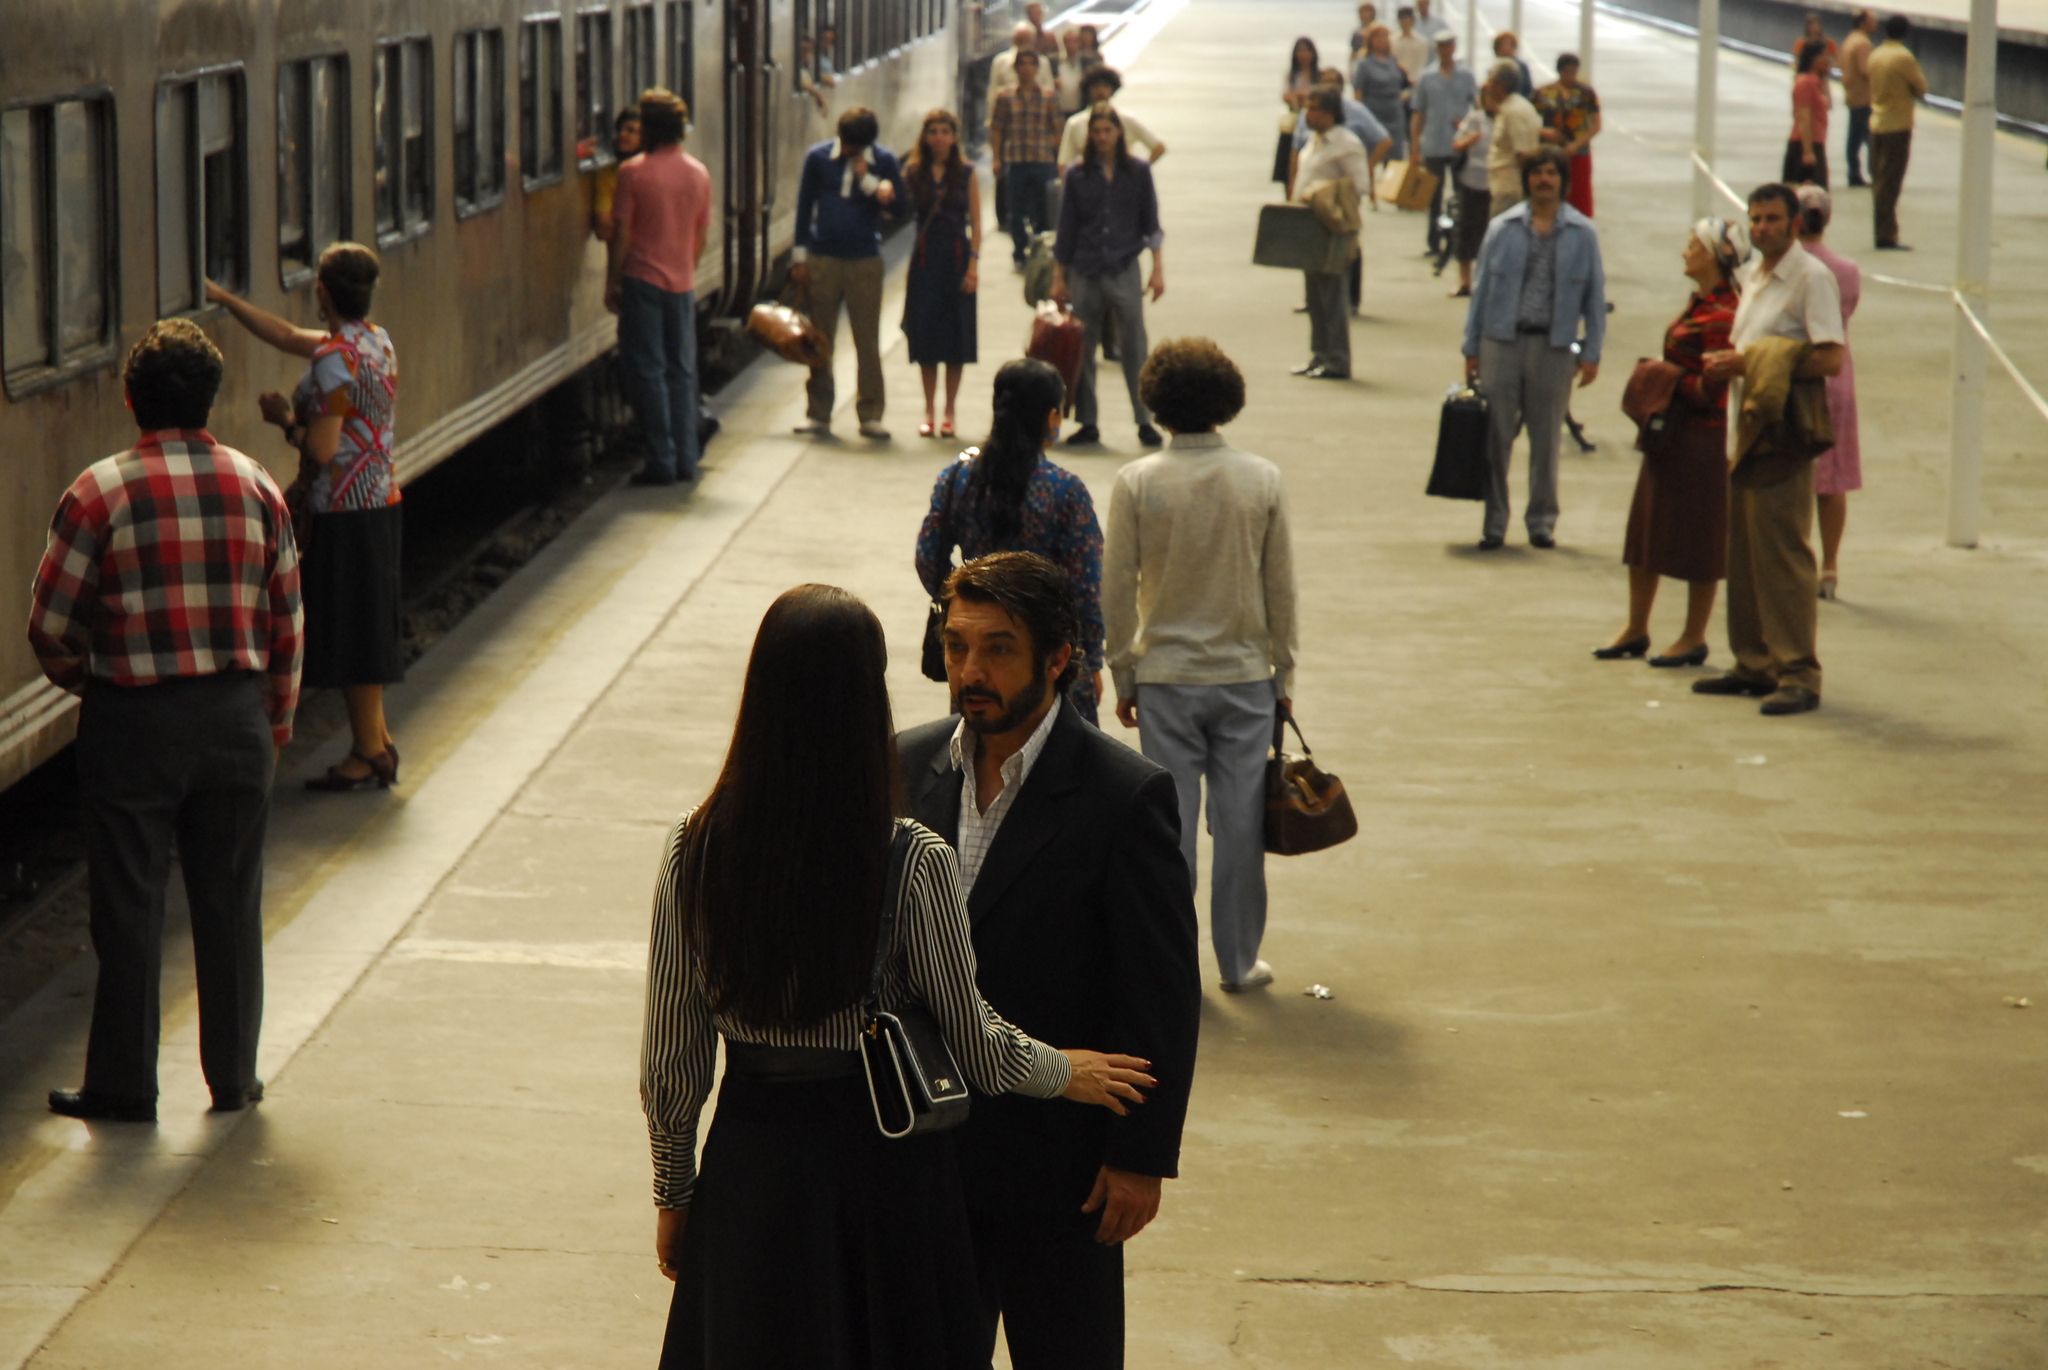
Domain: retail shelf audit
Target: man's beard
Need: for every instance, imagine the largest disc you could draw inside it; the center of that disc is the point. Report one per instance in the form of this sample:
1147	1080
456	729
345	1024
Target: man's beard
1015	710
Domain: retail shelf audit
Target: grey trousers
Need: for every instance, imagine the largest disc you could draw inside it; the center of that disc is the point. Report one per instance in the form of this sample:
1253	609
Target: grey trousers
1092	298
1528	383
1220	732
1329	321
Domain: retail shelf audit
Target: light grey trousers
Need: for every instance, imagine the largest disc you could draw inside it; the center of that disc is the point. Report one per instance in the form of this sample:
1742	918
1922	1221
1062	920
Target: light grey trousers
1528	383
1092	298
1221	733
1329	320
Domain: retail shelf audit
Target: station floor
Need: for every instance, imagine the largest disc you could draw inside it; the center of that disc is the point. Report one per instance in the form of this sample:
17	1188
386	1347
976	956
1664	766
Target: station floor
1663	1034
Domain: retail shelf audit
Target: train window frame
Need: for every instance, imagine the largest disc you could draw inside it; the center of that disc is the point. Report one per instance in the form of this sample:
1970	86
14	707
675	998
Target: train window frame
639	51
486	147
46	258
292	271
389	138
596	100
679	51
535	170
199	221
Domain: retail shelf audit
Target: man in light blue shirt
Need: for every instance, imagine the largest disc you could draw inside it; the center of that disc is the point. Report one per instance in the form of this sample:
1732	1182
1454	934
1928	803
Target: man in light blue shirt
1443	95
1538	292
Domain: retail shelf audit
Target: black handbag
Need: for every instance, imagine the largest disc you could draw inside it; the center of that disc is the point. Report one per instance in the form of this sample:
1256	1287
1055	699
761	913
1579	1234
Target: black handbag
1462	465
1306	807
915	1083
933	661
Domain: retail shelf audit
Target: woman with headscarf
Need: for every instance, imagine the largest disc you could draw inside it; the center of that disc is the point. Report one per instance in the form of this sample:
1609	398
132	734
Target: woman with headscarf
1838	470
1678	522
1006	496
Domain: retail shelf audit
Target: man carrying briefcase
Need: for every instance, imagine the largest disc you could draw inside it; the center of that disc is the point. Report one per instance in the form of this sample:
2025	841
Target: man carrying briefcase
1333	167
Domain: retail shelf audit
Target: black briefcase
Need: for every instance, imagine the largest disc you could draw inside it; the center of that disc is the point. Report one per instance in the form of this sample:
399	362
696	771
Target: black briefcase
1460	471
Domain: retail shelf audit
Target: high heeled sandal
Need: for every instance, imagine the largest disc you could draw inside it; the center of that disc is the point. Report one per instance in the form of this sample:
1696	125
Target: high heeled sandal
924	430
946	430
1828	585
336	782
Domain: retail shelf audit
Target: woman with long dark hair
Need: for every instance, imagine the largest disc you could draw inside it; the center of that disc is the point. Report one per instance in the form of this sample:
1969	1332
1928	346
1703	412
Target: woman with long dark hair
1007	496
1303	67
939	317
1806	151
341	420
810	1239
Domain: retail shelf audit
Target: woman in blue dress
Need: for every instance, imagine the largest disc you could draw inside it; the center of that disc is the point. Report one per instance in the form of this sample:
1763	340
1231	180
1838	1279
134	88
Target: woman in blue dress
1006	496
938	296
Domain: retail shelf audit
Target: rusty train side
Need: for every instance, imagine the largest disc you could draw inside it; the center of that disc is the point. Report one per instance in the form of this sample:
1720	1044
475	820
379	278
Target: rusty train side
145	143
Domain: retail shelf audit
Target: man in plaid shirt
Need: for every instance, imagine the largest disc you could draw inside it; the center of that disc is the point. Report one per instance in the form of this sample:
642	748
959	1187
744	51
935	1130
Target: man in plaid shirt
169	599
1024	143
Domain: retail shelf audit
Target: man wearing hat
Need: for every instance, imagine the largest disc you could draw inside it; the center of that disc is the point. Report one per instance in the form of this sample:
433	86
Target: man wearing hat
1442	96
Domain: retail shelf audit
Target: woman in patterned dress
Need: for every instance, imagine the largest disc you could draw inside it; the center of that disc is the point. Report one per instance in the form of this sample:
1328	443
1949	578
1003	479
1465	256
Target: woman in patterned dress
1838	470
340	419
1678	523
1006	496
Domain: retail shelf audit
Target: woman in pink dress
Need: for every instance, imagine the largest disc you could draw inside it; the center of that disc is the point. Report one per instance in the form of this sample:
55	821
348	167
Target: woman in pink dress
1838	470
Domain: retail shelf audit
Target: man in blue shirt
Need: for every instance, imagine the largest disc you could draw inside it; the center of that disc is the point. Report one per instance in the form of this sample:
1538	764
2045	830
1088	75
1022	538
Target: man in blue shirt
848	185
1443	95
1378	142
1539	282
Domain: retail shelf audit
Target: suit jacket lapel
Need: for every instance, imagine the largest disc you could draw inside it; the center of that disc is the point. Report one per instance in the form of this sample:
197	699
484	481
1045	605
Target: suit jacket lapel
1034	818
935	795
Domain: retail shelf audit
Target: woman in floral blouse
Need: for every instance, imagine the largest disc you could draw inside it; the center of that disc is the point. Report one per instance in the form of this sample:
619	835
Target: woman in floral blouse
1005	496
1678	524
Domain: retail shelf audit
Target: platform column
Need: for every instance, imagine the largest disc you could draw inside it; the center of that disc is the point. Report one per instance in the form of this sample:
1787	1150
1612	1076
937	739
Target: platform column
1472	38
1973	277
1515	22
1585	41
1704	200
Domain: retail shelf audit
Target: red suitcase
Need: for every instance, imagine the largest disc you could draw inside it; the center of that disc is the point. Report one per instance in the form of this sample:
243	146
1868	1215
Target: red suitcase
1057	338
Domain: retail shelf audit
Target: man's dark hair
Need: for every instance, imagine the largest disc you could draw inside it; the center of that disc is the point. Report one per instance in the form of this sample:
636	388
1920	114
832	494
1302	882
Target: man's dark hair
858	128
1567	59
173	374
1036	595
1023	56
1330	100
1191	386
1103	76
629	115
1783	194
1549	156
663	116
1862	17
1897	27
1405	12
349	271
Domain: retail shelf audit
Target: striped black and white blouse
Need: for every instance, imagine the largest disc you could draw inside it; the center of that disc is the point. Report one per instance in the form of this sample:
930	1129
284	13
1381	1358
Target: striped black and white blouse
932	962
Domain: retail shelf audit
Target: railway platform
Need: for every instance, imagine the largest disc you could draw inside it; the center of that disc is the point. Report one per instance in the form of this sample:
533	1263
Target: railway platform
1664	1034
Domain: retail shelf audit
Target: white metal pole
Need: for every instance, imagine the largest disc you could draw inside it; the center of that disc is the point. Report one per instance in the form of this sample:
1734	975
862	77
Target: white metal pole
1586	41
1704	97
1472	38
1973	277
1515	23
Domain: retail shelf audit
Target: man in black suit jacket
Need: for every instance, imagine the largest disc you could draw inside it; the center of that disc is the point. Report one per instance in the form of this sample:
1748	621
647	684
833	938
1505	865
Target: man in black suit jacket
1084	931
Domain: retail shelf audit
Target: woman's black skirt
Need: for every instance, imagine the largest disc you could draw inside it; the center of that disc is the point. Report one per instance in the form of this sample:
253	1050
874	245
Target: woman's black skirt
348	581
1283	158
815	1243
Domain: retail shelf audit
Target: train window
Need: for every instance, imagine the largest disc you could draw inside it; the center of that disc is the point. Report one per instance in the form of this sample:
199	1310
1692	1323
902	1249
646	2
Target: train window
479	120
313	170
540	100
639	51
593	88
56	253
402	115
682	51
202	190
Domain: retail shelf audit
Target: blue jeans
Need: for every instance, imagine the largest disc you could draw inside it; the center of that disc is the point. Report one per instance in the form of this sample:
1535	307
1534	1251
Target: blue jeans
1025	192
658	344
1859	140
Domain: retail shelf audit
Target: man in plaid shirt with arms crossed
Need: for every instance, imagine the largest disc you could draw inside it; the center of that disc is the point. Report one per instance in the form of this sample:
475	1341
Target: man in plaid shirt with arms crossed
169	599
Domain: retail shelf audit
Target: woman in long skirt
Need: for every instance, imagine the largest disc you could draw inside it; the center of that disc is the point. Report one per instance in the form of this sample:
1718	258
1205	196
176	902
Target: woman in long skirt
939	317
1838	470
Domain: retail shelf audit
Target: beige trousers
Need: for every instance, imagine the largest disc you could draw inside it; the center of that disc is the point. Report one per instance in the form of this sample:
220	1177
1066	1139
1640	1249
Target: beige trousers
1773	583
855	282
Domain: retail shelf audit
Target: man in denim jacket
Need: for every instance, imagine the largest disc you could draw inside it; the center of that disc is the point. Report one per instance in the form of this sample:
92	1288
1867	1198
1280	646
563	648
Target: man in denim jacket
1539	295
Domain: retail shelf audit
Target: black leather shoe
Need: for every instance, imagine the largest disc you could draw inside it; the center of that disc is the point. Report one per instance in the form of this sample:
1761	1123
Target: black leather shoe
101	1108
237	1100
1543	541
1732	684
647	475
1491	544
1696	657
1086	435
1149	436
1327	373
1790	699
1635	646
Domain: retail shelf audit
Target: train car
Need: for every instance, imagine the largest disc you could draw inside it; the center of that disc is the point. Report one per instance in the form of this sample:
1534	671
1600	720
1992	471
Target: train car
148	145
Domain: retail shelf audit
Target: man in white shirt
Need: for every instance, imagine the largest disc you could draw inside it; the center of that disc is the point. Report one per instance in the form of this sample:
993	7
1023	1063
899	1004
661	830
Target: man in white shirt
1517	136
1333	154
1100	88
1198	604
1002	73
1411	49
1773	582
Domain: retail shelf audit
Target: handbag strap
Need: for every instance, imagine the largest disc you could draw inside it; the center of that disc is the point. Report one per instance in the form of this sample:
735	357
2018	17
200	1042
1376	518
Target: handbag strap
892	900
1283	719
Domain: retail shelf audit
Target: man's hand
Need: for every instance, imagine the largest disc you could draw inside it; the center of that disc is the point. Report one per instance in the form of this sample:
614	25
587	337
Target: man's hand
669	1224
800	273
995	168
1127	712
1128	1203
1157	285
1471	369
1587	371
276	408
613	293
1059	288
1725	365
885	193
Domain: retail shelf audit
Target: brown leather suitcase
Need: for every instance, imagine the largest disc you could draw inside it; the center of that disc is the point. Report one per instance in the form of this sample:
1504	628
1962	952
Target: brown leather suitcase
1057	338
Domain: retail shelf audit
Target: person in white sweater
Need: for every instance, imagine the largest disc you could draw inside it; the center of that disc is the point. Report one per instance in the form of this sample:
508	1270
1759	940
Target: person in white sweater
1198	606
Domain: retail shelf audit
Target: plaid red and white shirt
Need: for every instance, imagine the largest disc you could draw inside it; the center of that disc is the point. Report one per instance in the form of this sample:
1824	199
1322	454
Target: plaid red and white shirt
174	559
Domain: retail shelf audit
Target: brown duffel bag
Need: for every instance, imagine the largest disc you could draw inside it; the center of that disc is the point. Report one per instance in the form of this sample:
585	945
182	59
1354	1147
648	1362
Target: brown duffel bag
1306	807
790	335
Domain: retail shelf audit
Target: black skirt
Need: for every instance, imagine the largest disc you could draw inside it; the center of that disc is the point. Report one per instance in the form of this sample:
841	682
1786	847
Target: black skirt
348	581
815	1242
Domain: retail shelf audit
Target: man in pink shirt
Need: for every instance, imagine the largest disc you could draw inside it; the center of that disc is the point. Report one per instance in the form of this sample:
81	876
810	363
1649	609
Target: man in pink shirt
661	216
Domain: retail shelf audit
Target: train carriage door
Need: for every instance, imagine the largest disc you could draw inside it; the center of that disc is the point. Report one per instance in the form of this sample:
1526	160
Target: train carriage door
749	192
